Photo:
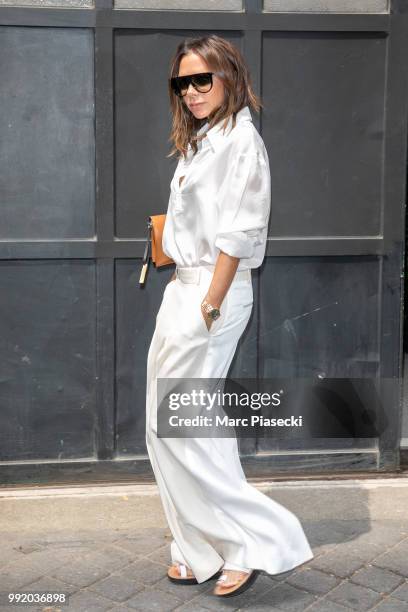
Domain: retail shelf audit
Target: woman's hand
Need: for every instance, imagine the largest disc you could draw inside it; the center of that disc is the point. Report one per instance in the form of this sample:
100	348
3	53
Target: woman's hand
224	273
208	320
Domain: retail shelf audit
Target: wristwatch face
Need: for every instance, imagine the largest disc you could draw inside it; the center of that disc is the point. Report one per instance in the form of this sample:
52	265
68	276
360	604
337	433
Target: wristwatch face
214	313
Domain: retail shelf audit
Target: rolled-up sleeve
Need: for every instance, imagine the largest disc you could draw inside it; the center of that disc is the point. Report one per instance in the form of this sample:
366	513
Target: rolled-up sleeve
244	204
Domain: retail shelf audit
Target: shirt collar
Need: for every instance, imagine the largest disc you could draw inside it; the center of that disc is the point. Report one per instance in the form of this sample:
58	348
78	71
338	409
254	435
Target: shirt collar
216	135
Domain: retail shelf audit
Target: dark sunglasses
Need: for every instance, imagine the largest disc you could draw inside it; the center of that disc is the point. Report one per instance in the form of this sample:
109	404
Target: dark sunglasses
201	81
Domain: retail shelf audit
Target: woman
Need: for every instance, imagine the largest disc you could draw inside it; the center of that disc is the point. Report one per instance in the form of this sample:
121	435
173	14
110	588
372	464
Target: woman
215	230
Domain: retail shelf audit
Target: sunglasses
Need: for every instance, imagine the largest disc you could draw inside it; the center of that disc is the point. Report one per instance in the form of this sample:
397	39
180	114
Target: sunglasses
201	81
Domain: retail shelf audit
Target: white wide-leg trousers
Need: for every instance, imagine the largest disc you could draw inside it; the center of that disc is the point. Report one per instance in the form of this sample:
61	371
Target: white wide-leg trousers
216	517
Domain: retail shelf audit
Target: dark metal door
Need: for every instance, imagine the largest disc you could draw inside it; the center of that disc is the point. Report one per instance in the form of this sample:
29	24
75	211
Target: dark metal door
83	142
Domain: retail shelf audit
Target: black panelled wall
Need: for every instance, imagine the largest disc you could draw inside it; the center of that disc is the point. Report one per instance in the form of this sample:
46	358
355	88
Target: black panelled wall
84	134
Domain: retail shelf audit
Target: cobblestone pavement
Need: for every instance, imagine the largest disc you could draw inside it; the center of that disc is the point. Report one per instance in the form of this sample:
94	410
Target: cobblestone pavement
360	563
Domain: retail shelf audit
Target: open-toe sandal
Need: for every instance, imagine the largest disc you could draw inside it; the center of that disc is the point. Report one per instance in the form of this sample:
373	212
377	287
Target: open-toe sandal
182	574
235	587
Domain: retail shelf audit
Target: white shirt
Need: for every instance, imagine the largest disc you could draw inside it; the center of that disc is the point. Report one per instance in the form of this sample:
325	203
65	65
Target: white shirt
223	202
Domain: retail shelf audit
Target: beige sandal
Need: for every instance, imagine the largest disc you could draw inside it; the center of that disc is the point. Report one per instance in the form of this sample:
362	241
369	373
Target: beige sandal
226	587
182	574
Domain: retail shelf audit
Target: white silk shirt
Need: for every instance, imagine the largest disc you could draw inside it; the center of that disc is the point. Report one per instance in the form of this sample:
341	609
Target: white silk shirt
223	203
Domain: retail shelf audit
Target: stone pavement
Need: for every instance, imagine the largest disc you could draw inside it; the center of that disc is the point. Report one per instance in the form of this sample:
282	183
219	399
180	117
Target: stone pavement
108	548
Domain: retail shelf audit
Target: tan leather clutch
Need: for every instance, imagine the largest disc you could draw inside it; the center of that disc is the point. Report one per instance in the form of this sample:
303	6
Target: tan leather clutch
155	226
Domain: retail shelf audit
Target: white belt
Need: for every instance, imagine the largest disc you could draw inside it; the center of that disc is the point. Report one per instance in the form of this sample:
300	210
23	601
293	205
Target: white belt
193	274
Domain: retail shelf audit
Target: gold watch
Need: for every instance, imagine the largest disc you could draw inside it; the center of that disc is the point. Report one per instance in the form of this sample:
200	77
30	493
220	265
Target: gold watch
210	310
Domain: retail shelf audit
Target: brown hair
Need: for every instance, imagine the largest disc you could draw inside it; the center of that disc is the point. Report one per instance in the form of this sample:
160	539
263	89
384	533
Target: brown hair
225	58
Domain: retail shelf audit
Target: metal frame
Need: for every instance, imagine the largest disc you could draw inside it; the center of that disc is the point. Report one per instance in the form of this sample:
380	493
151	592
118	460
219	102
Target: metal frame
105	248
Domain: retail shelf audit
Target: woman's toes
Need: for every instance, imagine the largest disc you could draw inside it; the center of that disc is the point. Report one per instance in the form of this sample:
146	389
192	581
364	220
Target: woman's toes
230	578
